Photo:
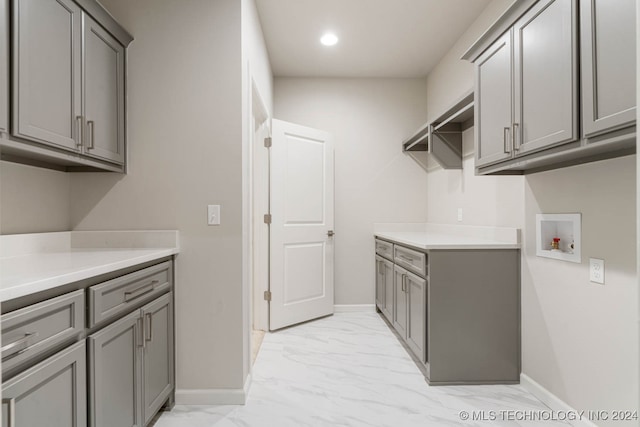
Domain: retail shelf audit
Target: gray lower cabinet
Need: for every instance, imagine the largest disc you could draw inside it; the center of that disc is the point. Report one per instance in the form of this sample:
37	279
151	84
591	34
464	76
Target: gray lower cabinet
400	301
608	54
131	366
157	361
115	374
51	393
47	68
416	290
4	66
384	287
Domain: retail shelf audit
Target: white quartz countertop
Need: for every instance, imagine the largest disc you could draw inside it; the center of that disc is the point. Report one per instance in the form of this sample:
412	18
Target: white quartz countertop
437	236
32	263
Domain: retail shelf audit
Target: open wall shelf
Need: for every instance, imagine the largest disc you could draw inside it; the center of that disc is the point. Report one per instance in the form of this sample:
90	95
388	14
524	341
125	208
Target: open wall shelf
442	138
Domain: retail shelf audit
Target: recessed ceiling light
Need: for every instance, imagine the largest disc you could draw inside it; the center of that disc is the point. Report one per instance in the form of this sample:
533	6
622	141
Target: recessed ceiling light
329	39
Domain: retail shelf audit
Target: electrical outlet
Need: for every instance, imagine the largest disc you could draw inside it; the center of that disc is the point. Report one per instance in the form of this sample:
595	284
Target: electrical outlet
213	215
596	270
459	214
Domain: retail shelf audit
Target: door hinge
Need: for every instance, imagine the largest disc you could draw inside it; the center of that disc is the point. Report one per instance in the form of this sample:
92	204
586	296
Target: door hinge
267	295
267	142
267	218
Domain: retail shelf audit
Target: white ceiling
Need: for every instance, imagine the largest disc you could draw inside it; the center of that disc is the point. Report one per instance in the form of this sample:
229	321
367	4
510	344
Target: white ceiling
378	38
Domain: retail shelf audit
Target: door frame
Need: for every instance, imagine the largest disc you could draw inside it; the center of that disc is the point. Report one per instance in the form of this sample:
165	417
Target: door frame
260	129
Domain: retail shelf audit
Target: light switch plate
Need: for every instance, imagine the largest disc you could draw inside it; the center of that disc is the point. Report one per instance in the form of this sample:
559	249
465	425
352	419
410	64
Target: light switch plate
596	270
213	215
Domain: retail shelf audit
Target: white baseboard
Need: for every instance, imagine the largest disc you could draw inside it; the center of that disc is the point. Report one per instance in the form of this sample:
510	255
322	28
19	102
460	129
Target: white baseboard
216	396
551	400
354	308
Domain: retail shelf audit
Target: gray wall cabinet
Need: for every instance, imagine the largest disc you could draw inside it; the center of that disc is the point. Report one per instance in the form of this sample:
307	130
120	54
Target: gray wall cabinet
458	313
47	62
534	64
52	393
608	52
4	66
103	93
68	86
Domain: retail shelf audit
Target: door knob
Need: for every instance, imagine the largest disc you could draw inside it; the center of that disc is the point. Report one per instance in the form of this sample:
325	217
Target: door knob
330	233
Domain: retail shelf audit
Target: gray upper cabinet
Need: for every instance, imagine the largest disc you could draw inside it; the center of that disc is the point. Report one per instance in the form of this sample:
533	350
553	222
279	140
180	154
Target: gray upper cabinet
493	102
158	375
555	85
608	54
115	374
103	93
546	76
52	393
47	72
4	66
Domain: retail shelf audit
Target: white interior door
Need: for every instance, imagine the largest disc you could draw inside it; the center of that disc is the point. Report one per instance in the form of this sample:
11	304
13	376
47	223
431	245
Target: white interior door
302	247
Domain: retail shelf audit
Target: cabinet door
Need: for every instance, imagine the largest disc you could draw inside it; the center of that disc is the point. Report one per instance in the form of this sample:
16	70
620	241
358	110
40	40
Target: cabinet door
115	377
52	393
103	93
608	55
546	76
493	103
47	72
387	308
158	378
400	301
417	315
4	66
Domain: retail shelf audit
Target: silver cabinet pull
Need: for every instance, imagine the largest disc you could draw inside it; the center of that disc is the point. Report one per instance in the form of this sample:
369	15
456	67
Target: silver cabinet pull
516	141
17	343
404	277
505	131
150	336
330	233
136	293
140	331
91	126
11	413
405	258
79	128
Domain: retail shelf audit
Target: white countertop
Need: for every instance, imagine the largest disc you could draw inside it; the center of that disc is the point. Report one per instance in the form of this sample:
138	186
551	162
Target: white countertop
31	263
442	236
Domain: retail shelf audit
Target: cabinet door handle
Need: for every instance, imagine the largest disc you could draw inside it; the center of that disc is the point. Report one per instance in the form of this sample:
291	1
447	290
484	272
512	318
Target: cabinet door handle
150	336
505	131
404	276
79	128
128	294
140	328
11	413
91	126
516	144
17	343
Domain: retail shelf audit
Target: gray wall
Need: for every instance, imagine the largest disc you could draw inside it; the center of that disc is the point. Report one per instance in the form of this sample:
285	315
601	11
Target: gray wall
374	180
185	133
33	200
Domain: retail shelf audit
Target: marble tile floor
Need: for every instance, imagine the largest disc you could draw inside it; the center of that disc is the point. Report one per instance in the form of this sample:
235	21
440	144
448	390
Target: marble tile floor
350	370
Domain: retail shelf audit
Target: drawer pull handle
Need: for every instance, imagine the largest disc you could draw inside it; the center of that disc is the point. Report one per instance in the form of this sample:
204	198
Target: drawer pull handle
11	413
136	293
405	258
17	343
150	317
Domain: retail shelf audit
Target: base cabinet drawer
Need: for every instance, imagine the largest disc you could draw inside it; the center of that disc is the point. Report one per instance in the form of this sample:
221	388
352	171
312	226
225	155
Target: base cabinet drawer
51	393
131	366
37	329
111	299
